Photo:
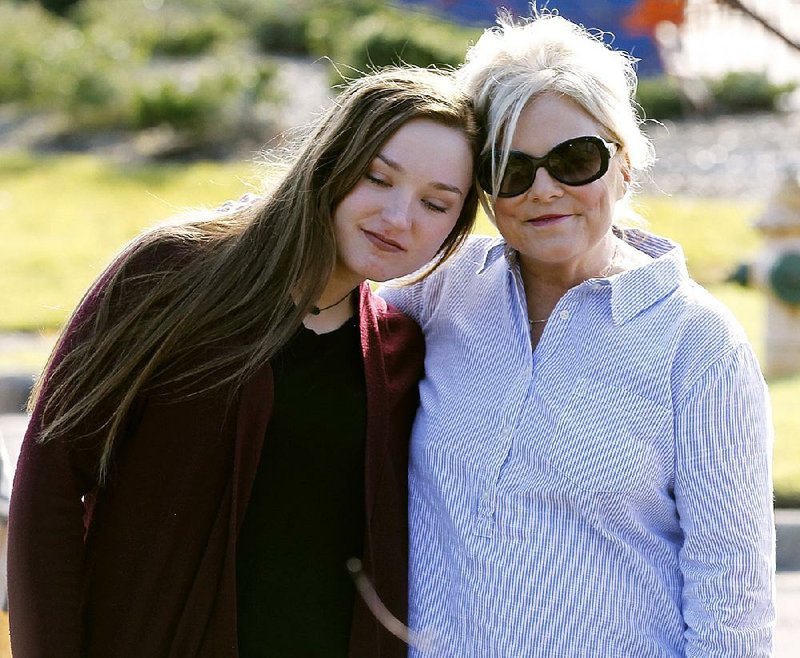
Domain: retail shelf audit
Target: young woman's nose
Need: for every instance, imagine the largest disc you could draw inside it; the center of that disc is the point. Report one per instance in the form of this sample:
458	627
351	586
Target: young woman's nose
397	210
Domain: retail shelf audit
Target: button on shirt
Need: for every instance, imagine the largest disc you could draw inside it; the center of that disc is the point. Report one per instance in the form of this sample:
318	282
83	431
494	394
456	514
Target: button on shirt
606	494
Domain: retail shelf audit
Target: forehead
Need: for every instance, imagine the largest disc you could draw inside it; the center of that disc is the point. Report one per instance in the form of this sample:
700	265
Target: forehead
430	150
549	120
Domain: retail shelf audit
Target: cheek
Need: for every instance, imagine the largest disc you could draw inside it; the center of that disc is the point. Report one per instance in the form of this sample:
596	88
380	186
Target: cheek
505	210
596	197
434	233
346	213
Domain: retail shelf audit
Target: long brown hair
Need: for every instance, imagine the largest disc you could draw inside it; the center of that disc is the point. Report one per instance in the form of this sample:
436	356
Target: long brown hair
232	286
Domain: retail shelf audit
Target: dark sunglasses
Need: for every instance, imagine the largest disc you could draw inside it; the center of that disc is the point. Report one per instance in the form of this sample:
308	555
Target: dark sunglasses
577	161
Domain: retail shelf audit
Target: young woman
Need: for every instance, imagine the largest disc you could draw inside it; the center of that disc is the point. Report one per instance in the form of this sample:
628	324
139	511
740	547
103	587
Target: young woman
224	421
590	465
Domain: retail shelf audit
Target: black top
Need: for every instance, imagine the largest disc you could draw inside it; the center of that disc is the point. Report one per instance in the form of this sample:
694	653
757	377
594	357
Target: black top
305	517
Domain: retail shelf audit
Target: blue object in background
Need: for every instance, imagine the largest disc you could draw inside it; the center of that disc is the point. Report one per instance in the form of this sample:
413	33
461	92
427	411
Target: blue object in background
605	15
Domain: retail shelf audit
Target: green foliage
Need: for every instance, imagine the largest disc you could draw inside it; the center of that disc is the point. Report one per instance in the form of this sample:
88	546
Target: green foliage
48	63
101	73
360	34
297	27
193	106
393	36
382	39
59	7
182	29
205	104
660	98
197	65
20	60
188	36
281	29
747	92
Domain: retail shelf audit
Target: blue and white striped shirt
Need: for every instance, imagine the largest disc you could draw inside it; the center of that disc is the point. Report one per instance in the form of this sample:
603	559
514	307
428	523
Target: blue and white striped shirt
608	494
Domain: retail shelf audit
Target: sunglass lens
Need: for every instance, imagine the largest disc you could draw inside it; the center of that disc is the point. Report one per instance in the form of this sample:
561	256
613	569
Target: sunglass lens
518	175
576	162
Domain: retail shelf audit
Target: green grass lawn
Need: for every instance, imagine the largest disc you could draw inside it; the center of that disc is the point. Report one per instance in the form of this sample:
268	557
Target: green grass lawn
63	218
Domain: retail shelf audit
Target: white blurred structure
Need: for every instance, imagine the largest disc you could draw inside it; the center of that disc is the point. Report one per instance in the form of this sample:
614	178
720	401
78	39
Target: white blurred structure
777	272
715	39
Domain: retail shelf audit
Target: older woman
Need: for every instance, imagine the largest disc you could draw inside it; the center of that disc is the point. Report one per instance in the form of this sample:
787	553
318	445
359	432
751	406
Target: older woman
590	465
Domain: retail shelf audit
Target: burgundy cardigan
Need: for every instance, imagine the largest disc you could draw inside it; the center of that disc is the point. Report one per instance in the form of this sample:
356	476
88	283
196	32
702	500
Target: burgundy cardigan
145	566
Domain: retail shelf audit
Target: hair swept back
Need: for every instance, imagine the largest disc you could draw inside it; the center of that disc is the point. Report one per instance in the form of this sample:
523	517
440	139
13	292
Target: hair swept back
234	284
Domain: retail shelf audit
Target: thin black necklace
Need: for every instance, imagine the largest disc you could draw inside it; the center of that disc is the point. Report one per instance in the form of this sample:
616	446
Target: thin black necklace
316	310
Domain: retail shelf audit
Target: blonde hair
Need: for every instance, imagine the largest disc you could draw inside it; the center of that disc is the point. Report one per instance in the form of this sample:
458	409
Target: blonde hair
519	60
221	286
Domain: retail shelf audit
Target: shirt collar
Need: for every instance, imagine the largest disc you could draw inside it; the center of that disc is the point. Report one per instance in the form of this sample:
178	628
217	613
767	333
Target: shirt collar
497	249
632	291
636	290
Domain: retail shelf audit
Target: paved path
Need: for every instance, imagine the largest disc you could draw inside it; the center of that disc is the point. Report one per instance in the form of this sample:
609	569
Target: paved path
787	636
729	157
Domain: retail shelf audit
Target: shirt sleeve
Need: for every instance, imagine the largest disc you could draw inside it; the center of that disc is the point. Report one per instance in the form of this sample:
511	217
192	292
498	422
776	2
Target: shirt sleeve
723	493
408	299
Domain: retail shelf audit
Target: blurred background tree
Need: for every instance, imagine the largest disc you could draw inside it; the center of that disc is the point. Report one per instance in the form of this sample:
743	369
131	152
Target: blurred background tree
59	7
204	71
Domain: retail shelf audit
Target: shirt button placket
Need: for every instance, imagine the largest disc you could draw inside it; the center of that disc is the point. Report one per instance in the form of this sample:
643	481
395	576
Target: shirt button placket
484	522
485	507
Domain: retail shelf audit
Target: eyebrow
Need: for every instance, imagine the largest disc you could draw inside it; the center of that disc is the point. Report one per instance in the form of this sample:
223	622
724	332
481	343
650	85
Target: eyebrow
439	186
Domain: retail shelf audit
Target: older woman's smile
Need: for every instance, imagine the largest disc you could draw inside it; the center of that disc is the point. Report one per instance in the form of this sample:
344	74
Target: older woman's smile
548	219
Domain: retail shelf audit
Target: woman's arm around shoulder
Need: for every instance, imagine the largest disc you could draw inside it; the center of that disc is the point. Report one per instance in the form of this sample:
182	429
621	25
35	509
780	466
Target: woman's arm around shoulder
420	298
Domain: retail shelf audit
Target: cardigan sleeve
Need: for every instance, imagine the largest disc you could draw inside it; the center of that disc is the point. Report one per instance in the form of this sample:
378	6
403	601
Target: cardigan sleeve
50	508
46	551
46	530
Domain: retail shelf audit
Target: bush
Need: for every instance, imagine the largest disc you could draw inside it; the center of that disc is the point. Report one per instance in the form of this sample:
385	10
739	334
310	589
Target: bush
59	7
207	104
282	30
185	37
183	29
48	63
274	26
660	98
328	22
392	36
747	92
24	63
167	103
204	102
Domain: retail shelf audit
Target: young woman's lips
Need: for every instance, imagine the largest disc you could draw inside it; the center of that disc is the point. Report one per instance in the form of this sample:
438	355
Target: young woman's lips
383	243
543	220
